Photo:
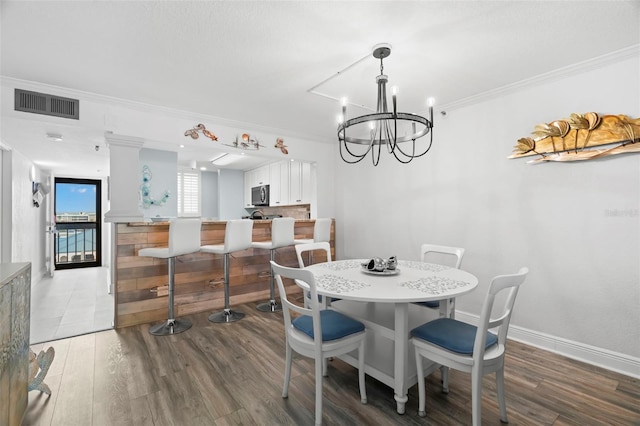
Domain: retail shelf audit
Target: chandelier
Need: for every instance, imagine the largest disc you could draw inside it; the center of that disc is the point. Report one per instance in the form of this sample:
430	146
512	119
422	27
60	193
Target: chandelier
398	131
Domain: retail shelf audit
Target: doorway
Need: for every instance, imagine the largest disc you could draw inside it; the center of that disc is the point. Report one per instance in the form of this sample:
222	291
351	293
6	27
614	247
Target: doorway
78	215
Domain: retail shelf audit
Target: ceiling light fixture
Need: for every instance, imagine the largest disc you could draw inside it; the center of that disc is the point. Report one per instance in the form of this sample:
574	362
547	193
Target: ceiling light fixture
383	127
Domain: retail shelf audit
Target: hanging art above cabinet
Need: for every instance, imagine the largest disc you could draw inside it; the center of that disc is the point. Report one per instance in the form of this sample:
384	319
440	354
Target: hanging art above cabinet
246	142
581	137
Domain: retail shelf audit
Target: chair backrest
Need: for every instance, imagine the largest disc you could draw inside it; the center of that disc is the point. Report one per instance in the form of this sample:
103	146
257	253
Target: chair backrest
304	279
322	230
238	235
432	248
309	247
510	283
282	231
184	235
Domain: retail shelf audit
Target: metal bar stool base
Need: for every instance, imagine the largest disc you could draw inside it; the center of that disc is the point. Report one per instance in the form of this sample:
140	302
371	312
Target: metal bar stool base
226	316
170	327
270	306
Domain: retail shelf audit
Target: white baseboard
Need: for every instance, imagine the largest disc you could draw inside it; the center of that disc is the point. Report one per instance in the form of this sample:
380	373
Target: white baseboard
614	361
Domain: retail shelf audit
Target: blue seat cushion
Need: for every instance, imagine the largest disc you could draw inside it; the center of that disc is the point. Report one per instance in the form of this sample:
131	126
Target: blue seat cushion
334	325
430	304
455	336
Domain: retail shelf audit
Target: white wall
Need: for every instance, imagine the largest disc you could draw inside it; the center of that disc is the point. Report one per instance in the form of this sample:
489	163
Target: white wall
27	221
164	171
209	195
557	219
231	194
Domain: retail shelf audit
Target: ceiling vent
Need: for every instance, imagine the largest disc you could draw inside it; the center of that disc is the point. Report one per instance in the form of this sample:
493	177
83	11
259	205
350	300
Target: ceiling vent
42	103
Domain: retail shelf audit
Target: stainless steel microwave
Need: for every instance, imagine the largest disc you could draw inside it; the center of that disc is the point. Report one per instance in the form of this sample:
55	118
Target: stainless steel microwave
260	195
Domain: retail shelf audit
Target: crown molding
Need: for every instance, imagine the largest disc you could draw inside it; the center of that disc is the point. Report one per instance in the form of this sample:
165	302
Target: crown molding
555	75
150	108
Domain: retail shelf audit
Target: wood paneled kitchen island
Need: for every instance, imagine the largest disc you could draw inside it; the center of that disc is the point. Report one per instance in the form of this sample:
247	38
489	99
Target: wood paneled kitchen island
140	283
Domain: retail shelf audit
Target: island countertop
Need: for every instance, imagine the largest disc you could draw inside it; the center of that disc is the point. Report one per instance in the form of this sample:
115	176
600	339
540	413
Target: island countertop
140	283
207	221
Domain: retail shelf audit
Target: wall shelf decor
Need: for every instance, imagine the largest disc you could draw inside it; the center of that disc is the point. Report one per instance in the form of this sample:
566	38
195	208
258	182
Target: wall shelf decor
244	142
581	137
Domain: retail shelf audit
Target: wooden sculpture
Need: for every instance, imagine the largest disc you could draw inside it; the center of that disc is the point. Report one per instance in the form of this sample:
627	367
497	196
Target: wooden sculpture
581	137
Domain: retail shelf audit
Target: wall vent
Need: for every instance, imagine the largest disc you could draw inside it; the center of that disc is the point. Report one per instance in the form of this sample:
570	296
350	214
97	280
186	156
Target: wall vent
42	103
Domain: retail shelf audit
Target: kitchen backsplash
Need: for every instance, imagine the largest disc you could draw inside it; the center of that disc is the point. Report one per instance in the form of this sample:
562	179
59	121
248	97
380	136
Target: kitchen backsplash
301	211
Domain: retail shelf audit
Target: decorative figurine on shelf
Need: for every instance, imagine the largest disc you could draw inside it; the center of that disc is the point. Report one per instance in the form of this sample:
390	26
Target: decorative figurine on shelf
38	368
200	128
280	144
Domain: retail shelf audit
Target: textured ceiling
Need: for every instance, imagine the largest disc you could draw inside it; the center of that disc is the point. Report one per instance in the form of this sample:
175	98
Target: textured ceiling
254	62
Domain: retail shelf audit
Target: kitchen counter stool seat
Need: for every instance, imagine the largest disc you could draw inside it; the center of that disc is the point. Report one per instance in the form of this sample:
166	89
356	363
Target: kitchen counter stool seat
237	236
321	232
282	235
184	238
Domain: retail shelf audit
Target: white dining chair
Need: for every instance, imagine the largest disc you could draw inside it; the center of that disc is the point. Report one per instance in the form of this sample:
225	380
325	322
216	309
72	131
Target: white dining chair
310	248
317	333
446	254
465	347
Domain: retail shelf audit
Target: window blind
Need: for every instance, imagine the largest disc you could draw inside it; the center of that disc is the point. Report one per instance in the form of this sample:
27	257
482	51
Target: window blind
188	193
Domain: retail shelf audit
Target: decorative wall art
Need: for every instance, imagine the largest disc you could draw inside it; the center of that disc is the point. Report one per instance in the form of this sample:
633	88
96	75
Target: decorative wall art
581	137
280	144
145	189
200	128
245	142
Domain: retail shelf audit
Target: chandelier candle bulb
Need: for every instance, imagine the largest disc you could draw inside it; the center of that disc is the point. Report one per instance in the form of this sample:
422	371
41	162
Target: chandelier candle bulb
344	109
394	92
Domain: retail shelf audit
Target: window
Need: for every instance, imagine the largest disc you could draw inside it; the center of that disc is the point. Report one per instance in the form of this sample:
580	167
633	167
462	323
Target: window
188	192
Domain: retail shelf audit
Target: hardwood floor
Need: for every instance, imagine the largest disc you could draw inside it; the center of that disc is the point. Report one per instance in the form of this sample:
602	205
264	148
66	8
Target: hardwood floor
231	374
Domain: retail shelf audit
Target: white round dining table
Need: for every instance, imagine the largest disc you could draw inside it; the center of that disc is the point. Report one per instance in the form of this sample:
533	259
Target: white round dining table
384	303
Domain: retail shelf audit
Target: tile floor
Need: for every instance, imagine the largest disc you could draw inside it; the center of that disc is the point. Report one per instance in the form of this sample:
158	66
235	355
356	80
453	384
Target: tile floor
73	302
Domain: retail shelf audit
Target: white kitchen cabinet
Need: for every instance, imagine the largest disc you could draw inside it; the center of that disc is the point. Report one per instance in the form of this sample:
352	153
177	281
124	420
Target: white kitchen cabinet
289	183
299	182
255	177
249	182
262	175
279	183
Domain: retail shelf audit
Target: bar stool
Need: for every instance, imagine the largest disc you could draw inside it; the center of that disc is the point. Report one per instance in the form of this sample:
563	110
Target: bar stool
282	235
184	238
237	236
321	232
